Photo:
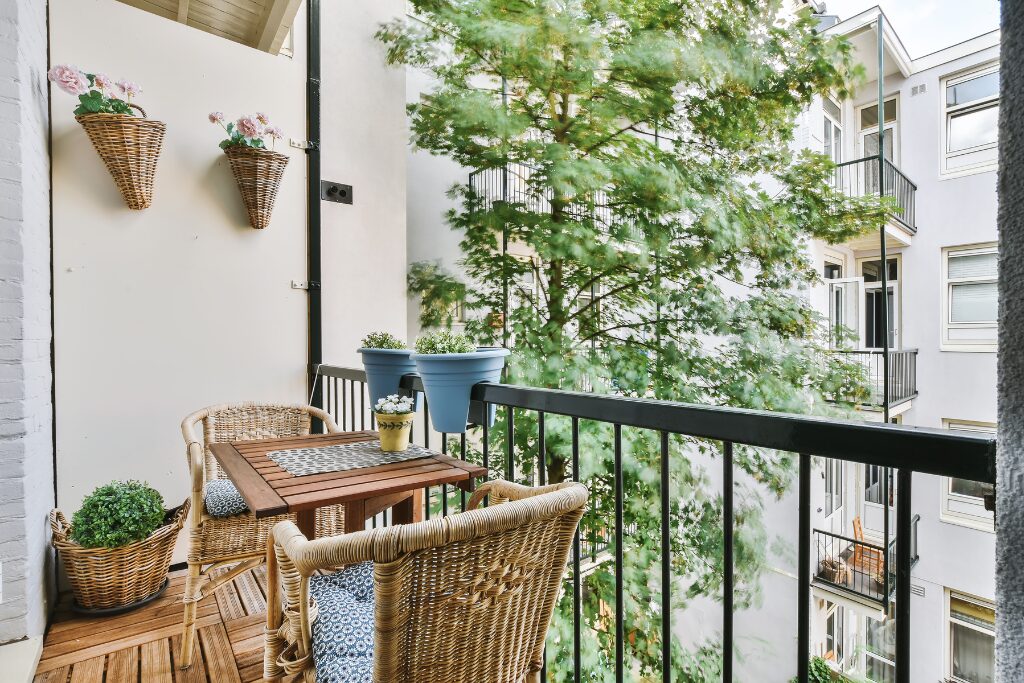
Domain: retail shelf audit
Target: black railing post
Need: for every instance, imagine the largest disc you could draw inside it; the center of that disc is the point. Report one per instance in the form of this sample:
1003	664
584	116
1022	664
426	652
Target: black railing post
727	562
620	613
666	565
904	523
804	573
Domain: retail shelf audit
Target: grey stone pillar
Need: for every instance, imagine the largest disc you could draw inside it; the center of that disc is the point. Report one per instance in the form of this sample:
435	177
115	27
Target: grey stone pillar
1010	489
26	412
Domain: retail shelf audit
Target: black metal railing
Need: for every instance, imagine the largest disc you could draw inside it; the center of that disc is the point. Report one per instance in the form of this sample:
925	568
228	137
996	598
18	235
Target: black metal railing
513	184
902	374
855	566
860	178
909	450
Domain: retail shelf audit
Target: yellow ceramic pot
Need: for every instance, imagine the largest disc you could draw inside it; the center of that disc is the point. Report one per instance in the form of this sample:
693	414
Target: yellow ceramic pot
394	431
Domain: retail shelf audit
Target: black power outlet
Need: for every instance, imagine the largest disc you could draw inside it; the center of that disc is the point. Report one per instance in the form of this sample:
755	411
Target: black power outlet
335	192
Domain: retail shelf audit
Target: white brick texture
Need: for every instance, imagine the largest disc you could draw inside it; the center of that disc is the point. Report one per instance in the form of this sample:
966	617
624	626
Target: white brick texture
26	414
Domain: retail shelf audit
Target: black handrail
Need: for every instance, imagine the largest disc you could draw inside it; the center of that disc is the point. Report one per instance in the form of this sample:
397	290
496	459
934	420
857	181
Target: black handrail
910	449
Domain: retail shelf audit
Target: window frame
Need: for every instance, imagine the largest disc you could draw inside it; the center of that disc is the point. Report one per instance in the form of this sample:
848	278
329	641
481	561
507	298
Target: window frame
976	517
946	342
951	620
947	113
890	664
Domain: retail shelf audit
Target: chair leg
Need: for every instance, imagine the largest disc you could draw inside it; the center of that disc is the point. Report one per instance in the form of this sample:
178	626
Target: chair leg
191	599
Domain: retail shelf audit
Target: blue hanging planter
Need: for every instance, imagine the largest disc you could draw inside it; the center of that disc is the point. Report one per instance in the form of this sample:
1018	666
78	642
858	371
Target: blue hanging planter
448	379
384	368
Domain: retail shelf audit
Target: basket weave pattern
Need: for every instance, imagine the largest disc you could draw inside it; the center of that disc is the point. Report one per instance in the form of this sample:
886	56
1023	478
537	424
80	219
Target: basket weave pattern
104	578
258	173
130	148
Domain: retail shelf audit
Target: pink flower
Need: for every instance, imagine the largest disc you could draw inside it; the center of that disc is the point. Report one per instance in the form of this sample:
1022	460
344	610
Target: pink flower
274	132
69	79
103	82
262	118
249	127
216	117
128	89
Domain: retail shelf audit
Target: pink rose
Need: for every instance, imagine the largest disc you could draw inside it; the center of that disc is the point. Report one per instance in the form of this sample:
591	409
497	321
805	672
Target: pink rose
103	82
69	79
128	89
216	117
274	132
262	118
249	127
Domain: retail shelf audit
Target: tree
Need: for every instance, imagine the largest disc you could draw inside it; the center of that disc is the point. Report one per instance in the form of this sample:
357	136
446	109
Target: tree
661	214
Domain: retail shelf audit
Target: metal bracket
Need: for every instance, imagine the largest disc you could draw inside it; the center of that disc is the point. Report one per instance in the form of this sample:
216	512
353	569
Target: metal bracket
306	145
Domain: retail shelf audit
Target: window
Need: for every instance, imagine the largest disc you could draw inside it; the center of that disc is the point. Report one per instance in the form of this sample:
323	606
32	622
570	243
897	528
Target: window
970	298
835	634
880	650
971	103
875	486
963	500
833	132
972	639
871	271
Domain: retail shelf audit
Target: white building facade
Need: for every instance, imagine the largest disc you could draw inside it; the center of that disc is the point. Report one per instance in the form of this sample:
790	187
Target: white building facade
940	121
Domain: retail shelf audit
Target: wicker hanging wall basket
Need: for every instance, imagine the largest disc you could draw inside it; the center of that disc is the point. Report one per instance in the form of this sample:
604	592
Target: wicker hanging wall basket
117	579
258	173
130	147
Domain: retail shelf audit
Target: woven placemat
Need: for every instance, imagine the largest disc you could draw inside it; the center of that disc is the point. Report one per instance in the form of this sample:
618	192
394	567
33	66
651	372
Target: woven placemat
343	457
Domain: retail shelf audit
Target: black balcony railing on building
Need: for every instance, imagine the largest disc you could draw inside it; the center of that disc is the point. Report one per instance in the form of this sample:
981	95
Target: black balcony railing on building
855	566
902	374
859	178
909	450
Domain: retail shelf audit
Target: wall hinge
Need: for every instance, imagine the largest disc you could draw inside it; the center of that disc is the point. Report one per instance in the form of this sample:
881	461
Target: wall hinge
313	284
303	144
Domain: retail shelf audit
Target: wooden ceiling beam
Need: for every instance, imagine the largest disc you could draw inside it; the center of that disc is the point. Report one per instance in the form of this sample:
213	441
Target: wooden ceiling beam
183	11
278	13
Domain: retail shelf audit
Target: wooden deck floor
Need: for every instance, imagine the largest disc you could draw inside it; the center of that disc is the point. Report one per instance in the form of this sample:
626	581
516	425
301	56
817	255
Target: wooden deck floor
142	646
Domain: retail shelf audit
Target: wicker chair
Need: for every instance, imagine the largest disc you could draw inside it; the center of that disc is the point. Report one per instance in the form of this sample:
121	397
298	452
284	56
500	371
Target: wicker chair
462	599
240	540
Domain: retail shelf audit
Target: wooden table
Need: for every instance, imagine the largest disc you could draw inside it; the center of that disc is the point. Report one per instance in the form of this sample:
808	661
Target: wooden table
269	489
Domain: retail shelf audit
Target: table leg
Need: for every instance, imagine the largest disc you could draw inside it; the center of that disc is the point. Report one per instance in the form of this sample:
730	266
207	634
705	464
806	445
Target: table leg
355	516
409	510
306	521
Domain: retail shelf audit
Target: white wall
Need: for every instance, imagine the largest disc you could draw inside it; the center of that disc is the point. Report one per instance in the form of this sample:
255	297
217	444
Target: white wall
164	311
26	446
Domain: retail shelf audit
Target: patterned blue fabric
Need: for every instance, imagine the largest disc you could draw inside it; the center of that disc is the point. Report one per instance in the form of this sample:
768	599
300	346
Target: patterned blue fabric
343	632
223	499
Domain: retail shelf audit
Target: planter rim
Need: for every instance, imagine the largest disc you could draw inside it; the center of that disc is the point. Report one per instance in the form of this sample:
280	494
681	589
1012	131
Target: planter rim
482	352
390	352
171	515
244	149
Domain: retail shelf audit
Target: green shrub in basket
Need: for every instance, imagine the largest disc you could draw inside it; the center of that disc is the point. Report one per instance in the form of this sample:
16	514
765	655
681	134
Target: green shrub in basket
117	514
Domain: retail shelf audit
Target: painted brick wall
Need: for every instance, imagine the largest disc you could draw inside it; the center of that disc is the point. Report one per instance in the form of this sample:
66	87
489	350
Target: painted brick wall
26	444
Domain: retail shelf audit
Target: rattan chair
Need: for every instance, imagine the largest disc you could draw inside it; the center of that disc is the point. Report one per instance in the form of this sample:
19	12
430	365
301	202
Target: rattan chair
461	599
216	543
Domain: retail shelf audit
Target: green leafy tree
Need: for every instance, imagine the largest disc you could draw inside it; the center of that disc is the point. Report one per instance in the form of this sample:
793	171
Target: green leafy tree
653	246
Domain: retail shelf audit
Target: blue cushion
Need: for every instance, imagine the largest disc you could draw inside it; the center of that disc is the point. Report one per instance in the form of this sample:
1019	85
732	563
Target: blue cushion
223	499
343	631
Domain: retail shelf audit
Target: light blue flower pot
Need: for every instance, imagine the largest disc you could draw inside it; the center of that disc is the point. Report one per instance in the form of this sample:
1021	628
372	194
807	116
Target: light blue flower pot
384	368
448	379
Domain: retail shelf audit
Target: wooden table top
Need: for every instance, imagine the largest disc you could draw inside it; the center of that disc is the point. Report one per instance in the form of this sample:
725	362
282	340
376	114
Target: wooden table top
269	489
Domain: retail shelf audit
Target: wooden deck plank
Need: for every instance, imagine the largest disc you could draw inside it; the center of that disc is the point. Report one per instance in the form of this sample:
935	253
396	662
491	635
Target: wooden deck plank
228	602
123	666
88	671
220	661
250	594
196	673
56	676
156	662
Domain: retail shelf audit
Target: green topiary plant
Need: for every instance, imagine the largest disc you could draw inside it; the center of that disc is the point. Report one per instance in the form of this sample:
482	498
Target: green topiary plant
444	341
382	340
117	514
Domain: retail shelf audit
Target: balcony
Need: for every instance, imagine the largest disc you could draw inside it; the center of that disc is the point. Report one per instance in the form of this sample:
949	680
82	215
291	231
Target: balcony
902	386
858	568
860	178
230	624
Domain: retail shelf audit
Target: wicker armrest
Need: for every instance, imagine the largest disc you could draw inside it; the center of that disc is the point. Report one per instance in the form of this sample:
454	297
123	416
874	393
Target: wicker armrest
197	472
502	491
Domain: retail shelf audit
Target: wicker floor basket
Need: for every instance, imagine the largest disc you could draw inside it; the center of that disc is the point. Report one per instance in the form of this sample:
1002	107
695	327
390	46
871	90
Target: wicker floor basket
112	578
258	173
130	147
